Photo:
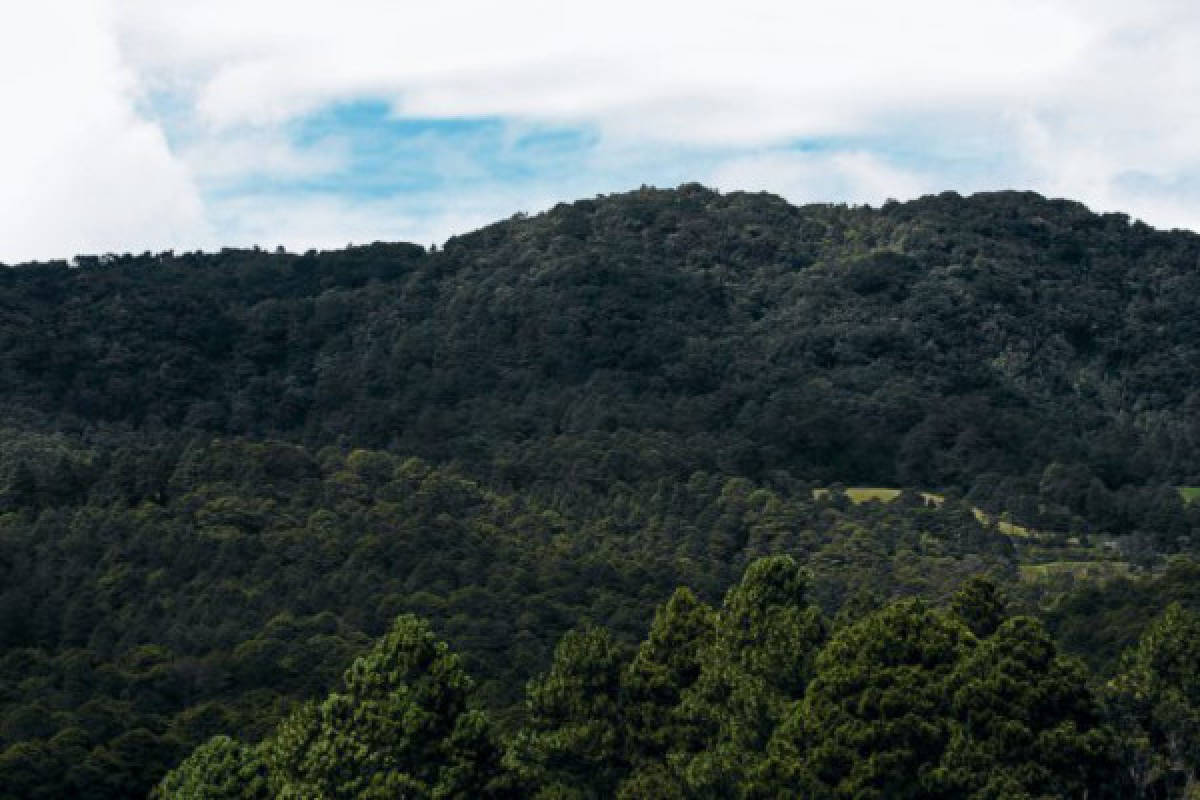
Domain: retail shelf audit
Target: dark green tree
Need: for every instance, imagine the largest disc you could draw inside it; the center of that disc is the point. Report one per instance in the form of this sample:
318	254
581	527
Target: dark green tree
757	666
1026	723
665	666
572	744
219	769
400	727
877	716
1156	699
979	605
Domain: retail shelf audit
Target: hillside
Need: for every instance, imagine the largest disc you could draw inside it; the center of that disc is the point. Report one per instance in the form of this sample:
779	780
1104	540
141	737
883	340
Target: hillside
921	343
222	475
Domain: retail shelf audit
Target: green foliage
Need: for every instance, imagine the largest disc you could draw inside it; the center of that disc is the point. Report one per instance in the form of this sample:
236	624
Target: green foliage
1099	622
758	664
978	604
666	665
255	571
1157	696
753	702
876	718
572	744
400	726
222	475
924	344
219	769
908	703
1026	722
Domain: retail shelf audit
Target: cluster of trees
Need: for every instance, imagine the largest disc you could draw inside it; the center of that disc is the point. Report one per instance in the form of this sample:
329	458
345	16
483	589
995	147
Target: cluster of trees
921	344
195	587
1072	500
761	697
223	475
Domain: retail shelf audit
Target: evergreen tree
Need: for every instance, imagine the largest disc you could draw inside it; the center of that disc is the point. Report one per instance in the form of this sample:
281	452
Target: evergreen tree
758	664
219	769
400	727
979	605
877	716
666	665
1156	699
1025	722
572	745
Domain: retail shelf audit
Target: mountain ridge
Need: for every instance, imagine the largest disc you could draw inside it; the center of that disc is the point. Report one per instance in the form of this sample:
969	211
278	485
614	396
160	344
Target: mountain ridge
661	302
221	475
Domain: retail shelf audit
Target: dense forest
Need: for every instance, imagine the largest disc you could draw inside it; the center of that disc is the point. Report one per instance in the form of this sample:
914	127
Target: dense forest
761	697
661	494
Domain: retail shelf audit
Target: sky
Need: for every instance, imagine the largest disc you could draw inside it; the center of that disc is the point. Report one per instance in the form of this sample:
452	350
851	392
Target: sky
148	125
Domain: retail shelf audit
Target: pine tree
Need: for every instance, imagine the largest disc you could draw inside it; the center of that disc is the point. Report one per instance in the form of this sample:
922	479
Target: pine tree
1025	721
219	769
666	665
876	717
1156	697
758	665
572	745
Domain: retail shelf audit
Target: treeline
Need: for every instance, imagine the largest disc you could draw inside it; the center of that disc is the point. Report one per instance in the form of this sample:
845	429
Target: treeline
762	697
194	588
191	587
223	475
921	344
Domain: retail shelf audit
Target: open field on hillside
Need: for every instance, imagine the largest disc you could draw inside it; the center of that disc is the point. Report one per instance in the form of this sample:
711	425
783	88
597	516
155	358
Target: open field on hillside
1190	494
865	494
1081	570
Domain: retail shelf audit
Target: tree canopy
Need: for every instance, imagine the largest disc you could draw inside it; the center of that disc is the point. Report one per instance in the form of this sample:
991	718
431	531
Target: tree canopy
645	462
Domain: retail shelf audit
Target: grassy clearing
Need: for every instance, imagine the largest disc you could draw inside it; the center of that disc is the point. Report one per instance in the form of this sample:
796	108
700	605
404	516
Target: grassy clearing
1081	570
1082	563
1004	526
1190	494
862	494
865	494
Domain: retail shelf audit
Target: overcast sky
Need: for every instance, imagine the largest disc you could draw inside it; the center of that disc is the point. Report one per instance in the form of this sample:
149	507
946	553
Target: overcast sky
133	125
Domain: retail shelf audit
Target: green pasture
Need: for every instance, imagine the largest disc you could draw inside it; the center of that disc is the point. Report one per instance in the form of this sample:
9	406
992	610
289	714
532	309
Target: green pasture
865	494
1080	570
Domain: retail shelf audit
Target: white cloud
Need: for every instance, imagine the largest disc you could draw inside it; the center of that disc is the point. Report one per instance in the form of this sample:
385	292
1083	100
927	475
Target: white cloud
810	177
698	71
251	153
81	170
1069	97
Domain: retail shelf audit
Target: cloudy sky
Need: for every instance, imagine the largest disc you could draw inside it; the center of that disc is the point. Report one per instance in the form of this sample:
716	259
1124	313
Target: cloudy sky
133	125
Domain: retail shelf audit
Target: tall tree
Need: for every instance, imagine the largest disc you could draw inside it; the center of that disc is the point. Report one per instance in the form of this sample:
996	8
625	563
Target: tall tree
219	769
759	663
1025	722
572	745
401	726
1156	697
876	717
666	665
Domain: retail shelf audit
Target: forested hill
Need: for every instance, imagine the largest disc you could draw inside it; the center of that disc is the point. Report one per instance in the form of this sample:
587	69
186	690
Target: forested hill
223	475
924	343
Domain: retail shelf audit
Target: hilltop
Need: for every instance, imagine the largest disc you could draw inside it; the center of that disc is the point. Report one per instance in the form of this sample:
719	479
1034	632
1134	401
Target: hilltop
222	474
923	343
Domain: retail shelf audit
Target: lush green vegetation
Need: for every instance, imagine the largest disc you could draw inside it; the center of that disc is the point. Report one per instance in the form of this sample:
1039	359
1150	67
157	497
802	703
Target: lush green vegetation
926	344
759	697
223	476
238	577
